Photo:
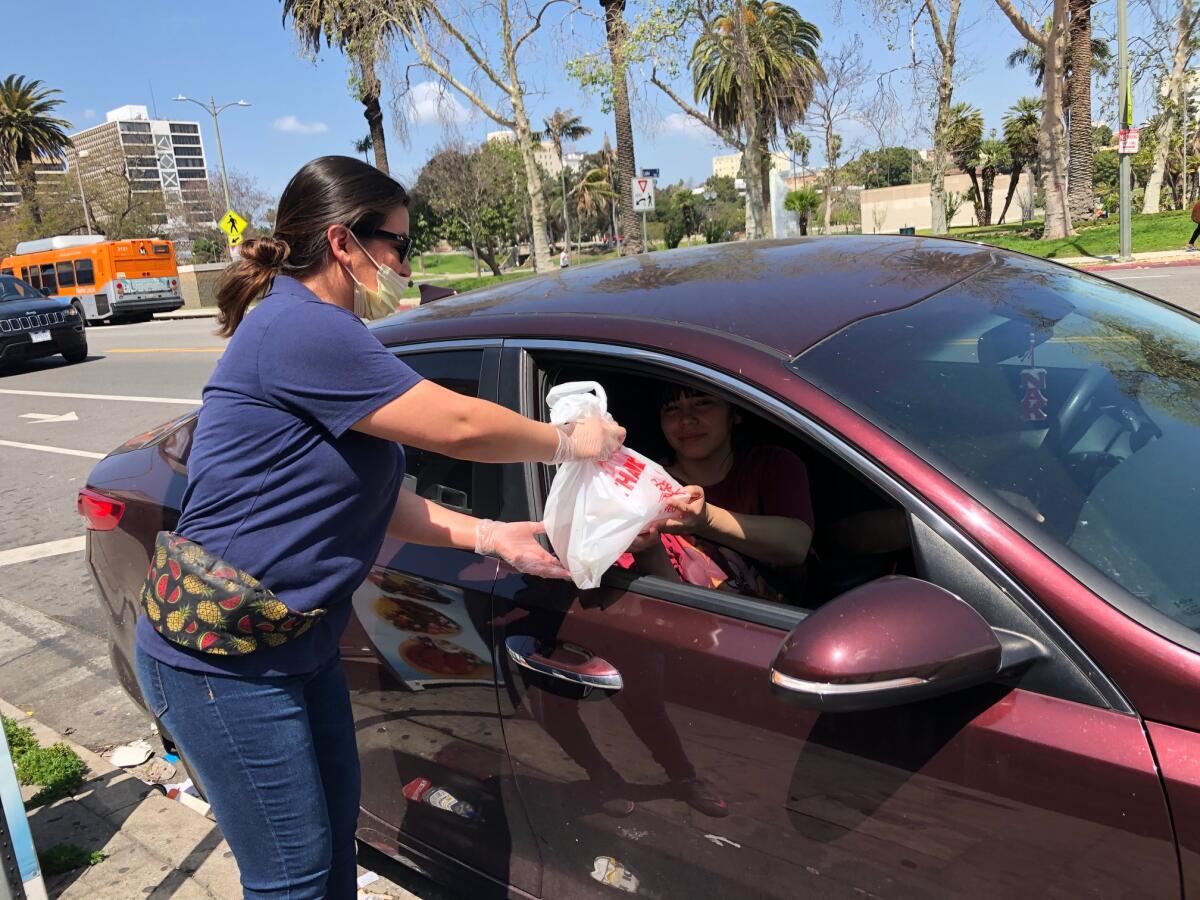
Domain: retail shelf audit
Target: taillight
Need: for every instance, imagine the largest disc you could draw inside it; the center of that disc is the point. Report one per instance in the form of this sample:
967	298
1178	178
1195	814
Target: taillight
120	289
102	513
174	284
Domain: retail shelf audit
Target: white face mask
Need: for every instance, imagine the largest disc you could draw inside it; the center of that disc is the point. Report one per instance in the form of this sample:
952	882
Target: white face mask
377	304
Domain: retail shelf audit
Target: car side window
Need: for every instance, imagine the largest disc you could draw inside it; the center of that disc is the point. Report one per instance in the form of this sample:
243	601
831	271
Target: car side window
454	483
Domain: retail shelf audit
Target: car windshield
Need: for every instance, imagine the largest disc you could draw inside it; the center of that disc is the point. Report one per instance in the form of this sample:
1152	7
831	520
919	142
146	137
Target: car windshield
1068	404
15	289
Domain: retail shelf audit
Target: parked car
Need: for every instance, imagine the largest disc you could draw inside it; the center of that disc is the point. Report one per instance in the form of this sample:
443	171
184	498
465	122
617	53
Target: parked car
34	325
1008	704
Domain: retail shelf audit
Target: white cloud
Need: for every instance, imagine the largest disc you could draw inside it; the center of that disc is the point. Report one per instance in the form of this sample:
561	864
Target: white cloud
293	125
431	102
682	123
89	114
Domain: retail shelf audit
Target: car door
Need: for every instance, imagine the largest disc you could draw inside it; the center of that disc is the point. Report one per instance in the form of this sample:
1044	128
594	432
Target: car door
419	664
654	757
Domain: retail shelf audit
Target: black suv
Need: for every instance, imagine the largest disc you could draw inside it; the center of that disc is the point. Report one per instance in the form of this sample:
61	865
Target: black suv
32	324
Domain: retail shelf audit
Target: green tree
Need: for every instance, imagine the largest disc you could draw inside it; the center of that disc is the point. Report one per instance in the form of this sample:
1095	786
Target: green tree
890	166
617	37
1021	127
363	146
801	146
564	125
352	28
770	48
965	143
29	131
803	203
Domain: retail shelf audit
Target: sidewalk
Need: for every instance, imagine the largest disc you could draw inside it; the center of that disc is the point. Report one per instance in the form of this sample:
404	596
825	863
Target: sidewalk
1154	259
154	847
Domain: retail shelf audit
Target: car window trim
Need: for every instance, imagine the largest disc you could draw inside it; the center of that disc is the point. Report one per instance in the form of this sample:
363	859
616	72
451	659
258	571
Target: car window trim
912	502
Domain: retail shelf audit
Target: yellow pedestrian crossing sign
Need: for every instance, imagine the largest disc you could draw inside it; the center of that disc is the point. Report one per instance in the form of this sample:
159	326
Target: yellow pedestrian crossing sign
234	226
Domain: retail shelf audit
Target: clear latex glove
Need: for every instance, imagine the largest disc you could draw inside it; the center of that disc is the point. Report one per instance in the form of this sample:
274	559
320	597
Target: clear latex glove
596	437
515	543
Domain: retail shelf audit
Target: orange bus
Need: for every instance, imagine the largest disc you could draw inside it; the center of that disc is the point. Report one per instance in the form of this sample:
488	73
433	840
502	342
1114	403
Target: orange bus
106	280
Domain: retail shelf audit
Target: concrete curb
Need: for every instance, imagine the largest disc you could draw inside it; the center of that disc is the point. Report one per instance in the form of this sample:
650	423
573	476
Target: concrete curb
156	847
1194	260
202	312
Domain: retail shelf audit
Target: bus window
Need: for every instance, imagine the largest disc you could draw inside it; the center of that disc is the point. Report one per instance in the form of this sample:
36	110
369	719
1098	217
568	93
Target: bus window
66	274
83	272
31	276
49	282
162	249
6	271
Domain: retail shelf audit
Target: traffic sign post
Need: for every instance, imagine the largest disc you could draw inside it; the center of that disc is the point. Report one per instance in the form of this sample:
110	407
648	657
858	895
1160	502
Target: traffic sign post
234	227
643	201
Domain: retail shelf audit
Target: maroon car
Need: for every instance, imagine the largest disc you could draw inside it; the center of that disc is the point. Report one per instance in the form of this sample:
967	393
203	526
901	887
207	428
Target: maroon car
1005	702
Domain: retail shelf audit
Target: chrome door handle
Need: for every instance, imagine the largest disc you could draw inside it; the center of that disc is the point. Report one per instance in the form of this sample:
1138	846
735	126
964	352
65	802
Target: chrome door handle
566	661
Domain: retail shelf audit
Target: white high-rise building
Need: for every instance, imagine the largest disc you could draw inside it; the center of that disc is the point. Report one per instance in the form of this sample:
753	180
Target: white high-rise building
163	156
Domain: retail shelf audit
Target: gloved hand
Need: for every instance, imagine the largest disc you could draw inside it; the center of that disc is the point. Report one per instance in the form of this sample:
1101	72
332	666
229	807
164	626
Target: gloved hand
595	437
515	543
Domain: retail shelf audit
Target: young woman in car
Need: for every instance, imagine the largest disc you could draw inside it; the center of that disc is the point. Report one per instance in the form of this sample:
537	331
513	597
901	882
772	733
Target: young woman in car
294	478
747	521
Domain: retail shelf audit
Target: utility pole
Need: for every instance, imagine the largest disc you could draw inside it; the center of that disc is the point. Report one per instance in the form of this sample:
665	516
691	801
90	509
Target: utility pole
83	197
1126	122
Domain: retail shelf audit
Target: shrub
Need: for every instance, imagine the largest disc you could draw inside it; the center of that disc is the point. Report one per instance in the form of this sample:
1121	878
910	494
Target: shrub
20	738
57	769
65	857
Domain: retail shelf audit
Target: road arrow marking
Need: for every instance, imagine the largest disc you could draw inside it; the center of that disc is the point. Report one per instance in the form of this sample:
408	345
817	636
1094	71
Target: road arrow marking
50	417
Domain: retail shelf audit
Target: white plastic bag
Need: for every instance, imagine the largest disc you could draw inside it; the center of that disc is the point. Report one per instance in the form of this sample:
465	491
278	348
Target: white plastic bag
596	508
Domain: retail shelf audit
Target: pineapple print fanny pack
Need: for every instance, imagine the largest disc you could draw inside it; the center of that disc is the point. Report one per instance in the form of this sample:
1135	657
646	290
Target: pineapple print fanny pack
195	599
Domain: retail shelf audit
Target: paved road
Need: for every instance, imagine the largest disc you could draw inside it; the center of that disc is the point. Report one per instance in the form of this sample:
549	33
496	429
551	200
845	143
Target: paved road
1179	284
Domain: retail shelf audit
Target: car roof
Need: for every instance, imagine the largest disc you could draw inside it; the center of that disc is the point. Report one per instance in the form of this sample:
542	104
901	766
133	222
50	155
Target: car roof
784	295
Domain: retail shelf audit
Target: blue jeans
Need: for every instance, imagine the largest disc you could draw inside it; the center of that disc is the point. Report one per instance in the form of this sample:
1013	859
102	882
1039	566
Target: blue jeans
279	764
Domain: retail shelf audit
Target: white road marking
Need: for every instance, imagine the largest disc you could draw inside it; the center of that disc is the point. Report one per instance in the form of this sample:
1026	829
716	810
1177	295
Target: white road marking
41	551
101	397
1135	277
86	454
42	418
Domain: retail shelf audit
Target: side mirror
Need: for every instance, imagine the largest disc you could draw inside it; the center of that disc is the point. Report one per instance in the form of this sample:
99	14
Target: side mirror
889	642
430	292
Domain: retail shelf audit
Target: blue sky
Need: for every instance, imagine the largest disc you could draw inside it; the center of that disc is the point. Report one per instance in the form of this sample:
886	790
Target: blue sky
303	109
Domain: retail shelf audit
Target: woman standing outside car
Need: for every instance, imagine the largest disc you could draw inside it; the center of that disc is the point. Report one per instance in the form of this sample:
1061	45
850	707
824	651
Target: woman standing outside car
294	478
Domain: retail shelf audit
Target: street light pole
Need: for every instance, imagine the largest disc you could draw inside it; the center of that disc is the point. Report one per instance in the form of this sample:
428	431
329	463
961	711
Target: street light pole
213	110
1126	230
79	157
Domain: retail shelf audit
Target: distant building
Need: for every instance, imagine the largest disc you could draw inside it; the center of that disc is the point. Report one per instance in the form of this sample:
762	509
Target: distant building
574	161
162	157
729	165
545	154
10	192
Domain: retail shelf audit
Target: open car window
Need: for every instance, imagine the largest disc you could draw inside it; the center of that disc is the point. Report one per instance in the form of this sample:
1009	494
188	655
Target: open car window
1073	401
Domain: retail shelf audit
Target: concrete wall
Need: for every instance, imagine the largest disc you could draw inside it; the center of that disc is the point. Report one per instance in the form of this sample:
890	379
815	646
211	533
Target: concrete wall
887	210
198	284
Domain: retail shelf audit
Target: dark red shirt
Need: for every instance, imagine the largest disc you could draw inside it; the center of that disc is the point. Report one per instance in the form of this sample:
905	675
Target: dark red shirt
765	481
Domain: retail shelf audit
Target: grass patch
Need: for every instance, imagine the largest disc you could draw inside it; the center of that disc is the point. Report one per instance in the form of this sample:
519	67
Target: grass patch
446	264
58	770
1162	231
20	738
65	857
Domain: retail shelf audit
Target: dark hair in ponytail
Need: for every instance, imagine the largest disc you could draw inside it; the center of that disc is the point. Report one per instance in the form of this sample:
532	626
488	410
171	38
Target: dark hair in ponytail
330	190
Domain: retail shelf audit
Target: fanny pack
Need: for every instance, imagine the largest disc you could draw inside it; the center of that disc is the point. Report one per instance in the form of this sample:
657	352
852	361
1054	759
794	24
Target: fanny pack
195	599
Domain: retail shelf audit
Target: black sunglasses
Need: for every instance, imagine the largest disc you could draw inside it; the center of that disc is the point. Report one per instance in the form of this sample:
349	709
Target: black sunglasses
404	243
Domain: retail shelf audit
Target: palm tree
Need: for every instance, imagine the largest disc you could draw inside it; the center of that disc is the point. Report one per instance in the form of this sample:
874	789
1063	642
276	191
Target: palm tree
774	49
801	146
564	126
617	34
363	146
28	131
964	137
593	192
348	26
1022	124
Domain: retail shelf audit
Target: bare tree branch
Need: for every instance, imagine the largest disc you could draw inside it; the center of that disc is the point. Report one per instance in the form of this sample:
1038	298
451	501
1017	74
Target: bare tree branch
1027	31
700	117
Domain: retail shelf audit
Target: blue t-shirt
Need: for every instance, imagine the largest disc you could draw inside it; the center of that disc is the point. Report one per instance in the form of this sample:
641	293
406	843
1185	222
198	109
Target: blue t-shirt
277	483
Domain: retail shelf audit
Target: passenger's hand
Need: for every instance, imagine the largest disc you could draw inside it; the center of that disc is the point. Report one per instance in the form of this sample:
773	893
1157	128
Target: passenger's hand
516	544
689	512
645	540
596	437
